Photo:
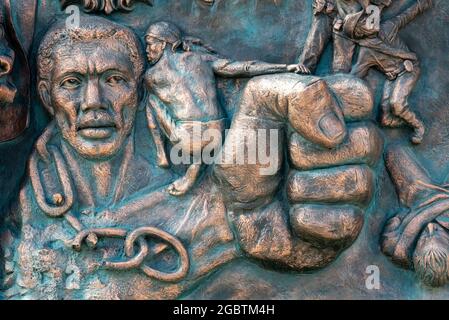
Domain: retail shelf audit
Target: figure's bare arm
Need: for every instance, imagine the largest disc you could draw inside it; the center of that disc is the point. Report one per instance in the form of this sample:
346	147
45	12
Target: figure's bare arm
230	68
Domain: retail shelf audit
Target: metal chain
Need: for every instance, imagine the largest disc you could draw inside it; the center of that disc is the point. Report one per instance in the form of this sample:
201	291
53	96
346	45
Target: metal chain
62	205
134	261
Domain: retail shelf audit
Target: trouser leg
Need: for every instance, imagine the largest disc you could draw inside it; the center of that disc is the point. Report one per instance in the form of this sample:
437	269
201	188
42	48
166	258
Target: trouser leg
343	54
317	39
387	119
402	89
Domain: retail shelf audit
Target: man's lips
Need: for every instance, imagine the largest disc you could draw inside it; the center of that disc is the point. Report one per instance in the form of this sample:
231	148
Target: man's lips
96	126
100	128
96	120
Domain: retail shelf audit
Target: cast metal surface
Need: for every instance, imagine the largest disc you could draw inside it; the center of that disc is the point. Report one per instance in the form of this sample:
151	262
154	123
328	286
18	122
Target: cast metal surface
324	166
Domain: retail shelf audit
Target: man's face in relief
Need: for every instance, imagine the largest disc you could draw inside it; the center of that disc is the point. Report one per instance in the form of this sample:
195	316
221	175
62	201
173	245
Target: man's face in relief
93	92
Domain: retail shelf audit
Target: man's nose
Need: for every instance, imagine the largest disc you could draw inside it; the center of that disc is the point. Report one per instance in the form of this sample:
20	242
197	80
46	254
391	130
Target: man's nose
92	98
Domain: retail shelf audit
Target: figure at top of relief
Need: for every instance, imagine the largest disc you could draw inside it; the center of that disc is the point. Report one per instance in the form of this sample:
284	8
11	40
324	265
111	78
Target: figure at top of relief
386	52
183	96
327	24
348	21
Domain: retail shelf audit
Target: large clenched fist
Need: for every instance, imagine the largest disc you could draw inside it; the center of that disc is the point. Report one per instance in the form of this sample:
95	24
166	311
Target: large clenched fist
326	179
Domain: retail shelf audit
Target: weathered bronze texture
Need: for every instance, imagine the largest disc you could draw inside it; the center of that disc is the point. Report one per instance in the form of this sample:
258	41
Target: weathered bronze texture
417	236
106	6
190	103
181	149
14	76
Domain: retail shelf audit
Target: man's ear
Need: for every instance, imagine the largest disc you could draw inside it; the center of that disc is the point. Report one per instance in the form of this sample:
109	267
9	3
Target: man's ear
44	93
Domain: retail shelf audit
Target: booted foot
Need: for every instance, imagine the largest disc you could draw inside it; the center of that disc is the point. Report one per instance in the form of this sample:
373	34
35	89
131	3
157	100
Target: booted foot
181	186
184	184
418	136
162	161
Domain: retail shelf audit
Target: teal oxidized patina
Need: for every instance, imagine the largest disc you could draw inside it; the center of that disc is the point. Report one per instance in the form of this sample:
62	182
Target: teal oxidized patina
103	210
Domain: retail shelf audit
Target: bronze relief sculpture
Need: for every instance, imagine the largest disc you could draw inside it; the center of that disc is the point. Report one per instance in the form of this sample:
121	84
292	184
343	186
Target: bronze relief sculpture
181	107
162	162
417	236
15	82
106	6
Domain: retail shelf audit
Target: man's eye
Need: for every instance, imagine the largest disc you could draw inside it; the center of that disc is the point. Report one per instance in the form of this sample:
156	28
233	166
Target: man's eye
71	83
115	80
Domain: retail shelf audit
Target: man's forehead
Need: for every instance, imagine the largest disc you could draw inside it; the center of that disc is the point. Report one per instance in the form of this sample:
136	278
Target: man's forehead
93	56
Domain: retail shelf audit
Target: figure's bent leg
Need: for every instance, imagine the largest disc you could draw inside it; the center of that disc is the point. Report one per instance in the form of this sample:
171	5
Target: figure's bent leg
161	155
343	54
164	118
319	36
193	138
387	119
177	134
185	183
403	86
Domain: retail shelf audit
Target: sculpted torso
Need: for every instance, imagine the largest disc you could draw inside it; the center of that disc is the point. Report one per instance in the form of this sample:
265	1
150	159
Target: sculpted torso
185	83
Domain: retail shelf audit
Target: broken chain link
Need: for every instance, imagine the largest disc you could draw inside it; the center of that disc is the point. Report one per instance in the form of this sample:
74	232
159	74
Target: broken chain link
137	260
60	205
